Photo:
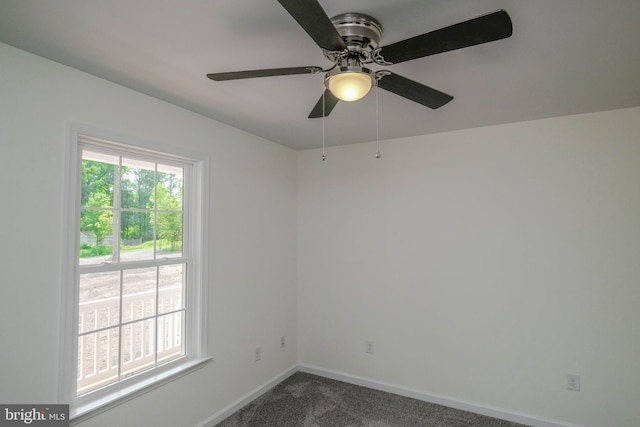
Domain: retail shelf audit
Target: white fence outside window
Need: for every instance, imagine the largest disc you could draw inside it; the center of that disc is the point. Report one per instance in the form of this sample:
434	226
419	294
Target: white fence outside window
98	361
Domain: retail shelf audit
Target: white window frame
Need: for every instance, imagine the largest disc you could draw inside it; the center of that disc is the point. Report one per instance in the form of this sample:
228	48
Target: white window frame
196	232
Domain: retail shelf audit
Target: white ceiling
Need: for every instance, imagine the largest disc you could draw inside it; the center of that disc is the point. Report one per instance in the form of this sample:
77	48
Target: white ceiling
565	57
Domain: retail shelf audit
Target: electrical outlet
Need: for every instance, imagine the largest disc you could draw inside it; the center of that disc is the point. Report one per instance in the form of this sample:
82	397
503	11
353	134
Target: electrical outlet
258	354
368	347
573	382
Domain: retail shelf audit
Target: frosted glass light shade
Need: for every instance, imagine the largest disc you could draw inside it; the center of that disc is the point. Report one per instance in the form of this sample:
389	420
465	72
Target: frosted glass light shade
350	86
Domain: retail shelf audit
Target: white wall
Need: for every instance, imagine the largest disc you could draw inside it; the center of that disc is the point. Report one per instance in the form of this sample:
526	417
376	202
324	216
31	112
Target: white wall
252	239
485	265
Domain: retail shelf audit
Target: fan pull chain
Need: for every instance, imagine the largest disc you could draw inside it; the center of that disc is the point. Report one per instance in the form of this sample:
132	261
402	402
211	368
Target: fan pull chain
323	156
378	153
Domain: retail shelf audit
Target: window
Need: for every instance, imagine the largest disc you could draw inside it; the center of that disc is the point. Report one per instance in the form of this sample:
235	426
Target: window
135	269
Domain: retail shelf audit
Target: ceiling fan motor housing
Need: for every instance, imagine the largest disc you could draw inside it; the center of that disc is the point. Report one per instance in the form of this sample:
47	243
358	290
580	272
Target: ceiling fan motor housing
361	33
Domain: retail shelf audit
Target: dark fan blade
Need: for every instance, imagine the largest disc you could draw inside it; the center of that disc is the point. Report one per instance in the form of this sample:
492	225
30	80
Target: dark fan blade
313	19
236	75
414	91
330	101
484	29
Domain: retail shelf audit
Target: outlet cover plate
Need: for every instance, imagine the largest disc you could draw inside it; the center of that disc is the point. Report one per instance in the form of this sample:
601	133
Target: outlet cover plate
573	382
368	347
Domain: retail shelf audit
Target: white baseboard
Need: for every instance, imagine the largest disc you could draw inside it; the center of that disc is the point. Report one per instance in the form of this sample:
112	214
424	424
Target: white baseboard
248	398
451	402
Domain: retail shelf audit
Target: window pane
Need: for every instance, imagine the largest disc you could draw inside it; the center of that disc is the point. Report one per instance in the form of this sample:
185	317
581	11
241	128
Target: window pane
97	178
138	293
171	334
96	226
171	288
134	225
137	183
97	360
138	347
171	179
99	301
169	235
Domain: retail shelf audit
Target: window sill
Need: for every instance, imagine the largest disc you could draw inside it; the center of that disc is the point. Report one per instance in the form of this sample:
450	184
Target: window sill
87	410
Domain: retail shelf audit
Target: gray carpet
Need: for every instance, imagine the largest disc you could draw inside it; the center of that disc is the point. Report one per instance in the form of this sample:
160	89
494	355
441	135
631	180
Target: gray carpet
305	400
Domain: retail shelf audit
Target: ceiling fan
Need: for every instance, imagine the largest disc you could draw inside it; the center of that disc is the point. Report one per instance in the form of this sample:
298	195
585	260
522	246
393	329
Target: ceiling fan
351	40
